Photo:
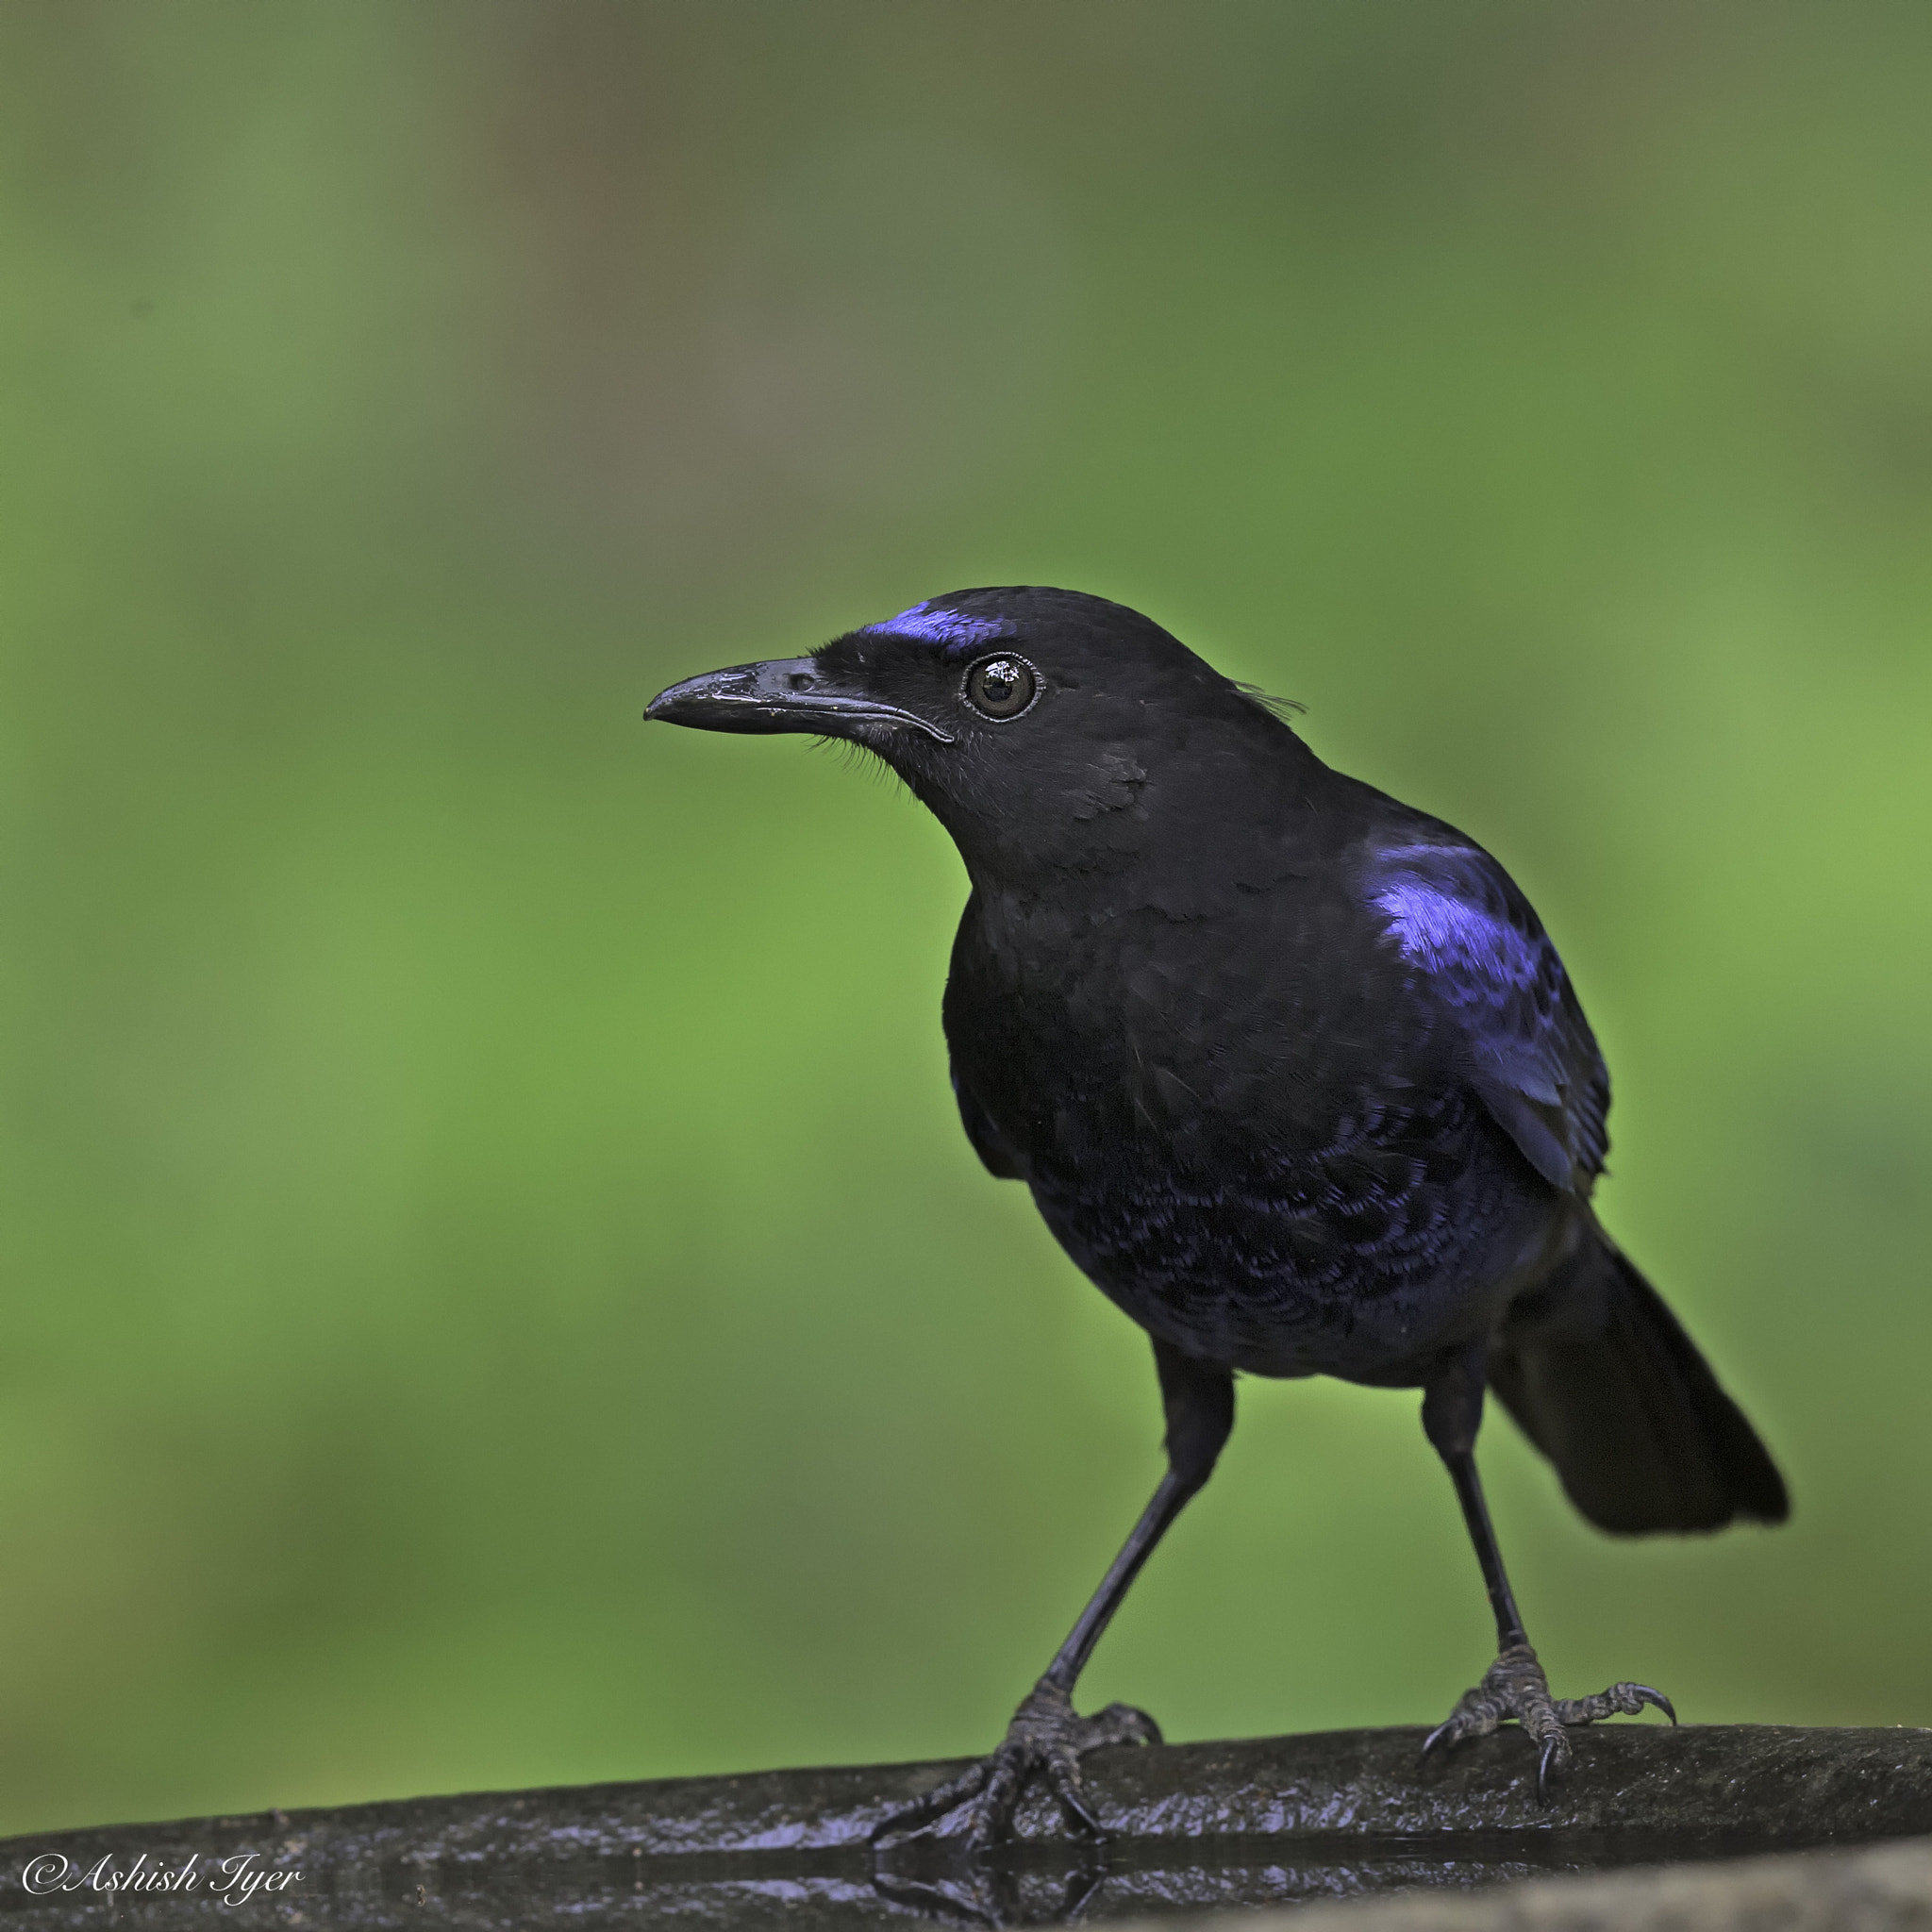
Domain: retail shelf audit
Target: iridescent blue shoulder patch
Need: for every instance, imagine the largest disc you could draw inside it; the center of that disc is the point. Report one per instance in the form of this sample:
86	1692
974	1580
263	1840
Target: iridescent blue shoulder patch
951	628
1449	917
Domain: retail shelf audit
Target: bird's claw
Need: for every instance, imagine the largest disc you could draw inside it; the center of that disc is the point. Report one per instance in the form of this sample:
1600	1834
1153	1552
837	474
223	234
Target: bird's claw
1514	1687
1555	1754
1046	1739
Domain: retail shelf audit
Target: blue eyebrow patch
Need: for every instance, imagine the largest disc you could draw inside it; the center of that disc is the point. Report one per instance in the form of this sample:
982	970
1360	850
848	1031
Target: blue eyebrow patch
947	627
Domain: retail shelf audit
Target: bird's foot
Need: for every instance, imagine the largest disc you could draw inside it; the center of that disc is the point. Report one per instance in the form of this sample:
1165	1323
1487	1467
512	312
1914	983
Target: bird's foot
1514	1686
990	1893
1046	1739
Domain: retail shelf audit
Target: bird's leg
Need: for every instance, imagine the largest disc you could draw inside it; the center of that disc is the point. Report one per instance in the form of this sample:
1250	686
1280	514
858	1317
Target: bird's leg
1514	1686
1046	1737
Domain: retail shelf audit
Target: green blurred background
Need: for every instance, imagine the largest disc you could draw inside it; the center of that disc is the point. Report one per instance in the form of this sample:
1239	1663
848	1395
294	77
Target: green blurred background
496	1291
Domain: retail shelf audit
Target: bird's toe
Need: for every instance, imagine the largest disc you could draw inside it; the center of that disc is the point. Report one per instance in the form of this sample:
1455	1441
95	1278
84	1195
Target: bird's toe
915	1814
1514	1687
1117	1723
1620	1700
1063	1774
1046	1739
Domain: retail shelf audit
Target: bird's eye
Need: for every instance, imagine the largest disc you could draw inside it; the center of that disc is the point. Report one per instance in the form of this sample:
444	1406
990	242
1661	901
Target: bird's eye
1001	687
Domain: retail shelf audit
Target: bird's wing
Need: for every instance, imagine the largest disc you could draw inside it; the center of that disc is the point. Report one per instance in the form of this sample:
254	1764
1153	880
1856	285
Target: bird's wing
1475	948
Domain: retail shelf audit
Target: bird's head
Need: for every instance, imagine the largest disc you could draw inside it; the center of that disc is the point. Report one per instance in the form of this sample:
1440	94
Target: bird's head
1036	723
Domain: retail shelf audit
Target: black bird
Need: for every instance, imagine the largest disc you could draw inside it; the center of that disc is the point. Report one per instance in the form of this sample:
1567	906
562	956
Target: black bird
1295	1077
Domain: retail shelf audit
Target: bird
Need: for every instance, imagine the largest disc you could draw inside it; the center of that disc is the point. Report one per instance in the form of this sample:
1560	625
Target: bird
1295	1077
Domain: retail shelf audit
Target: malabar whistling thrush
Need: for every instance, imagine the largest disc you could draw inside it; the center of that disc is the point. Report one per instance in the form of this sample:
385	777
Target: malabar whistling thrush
1294	1075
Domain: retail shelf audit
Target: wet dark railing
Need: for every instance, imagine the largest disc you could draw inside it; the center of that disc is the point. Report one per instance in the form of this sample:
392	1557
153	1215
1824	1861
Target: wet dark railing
1276	1821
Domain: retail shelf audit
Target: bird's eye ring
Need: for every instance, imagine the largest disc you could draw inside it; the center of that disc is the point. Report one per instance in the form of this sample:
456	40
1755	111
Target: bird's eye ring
1002	686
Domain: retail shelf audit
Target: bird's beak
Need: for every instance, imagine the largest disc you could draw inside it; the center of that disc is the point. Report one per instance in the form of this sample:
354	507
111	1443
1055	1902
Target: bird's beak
786	694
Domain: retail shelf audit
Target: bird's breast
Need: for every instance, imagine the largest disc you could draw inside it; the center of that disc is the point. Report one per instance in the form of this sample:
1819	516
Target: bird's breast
1239	1129
1272	1024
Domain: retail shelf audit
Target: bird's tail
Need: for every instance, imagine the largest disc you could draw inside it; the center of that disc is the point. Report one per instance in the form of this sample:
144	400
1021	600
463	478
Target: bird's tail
1603	1379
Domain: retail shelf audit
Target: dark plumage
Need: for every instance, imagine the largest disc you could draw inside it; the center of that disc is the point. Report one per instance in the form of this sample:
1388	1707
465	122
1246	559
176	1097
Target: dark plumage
1293	1074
